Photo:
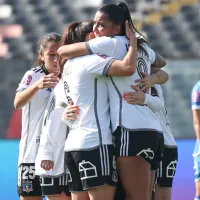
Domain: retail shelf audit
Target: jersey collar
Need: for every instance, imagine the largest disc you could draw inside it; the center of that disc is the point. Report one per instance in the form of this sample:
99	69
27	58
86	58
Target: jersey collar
45	69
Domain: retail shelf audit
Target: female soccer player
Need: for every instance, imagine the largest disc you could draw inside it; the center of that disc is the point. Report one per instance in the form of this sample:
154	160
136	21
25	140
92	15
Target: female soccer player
133	163
49	164
167	167
32	96
195	100
89	148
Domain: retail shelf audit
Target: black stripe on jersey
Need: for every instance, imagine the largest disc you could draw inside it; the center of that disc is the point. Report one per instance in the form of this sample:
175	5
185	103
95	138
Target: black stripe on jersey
44	69
95	111
50	109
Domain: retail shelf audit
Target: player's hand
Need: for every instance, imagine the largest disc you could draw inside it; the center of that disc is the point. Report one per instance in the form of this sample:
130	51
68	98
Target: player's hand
146	82
47	164
71	112
137	97
48	81
129	33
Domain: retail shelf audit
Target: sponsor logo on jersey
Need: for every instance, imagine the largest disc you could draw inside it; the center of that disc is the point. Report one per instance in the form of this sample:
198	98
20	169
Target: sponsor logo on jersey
28	80
27	186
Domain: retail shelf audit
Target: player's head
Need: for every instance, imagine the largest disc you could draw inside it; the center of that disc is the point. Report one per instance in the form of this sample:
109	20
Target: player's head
110	21
77	32
47	52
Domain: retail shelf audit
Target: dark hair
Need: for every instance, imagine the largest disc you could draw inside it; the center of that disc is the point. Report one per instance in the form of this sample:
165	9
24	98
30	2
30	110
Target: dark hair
118	14
75	32
43	43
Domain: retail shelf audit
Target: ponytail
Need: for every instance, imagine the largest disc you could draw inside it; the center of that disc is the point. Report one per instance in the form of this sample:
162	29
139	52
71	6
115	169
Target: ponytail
141	40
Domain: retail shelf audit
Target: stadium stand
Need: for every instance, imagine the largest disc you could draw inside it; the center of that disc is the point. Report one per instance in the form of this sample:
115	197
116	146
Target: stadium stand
172	27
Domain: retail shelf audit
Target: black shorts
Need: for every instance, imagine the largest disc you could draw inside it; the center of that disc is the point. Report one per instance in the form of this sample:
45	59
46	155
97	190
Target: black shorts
147	144
28	182
88	169
167	168
54	186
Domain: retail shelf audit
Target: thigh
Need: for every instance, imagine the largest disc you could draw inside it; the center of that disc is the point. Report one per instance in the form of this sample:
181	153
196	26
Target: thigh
105	192
167	168
135	176
28	182
54	186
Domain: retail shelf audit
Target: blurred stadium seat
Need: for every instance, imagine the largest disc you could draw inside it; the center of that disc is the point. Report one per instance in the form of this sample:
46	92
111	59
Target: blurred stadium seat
172	27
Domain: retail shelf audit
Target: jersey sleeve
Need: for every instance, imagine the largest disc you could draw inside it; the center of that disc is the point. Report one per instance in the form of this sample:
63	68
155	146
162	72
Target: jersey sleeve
195	97
155	101
49	134
101	45
99	65
28	79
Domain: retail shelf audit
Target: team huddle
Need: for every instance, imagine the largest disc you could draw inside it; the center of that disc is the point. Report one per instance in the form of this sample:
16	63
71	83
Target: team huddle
94	122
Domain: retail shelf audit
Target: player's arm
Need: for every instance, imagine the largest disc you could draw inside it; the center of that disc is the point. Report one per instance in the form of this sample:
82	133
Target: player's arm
127	66
155	103
158	76
24	96
159	61
195	96
196	122
73	50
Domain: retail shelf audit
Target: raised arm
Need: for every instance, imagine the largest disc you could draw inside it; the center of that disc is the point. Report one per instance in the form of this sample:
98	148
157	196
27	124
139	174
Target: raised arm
159	61
127	66
23	97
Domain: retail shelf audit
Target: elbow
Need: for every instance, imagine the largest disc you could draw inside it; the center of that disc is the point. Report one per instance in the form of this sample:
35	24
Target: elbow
130	71
61	52
17	104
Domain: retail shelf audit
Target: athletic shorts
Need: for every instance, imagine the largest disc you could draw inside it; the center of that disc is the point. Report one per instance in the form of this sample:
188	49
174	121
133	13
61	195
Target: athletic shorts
54	186
167	168
28	182
147	144
89	169
196	156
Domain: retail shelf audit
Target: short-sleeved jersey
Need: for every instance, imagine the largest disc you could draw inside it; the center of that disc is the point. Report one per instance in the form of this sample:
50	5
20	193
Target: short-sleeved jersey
131	117
54	133
32	115
195	96
164	120
87	89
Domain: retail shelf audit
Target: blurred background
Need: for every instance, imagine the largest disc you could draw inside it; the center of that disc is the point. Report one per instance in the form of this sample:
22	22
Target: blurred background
173	30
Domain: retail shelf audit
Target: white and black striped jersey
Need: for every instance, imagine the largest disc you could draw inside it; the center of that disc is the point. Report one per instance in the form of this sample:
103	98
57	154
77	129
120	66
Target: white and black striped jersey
87	89
32	115
164	121
131	117
54	133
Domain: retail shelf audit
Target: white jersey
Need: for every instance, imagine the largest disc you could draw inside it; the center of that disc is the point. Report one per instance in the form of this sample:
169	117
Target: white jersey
54	133
131	117
162	115
87	89
32	116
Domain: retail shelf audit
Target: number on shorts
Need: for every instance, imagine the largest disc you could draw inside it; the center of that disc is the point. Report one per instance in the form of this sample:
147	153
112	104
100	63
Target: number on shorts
28	172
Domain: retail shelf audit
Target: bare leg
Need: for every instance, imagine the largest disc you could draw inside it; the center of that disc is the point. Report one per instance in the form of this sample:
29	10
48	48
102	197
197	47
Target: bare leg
79	196
135	176
163	193
152	181
105	192
61	196
31	198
